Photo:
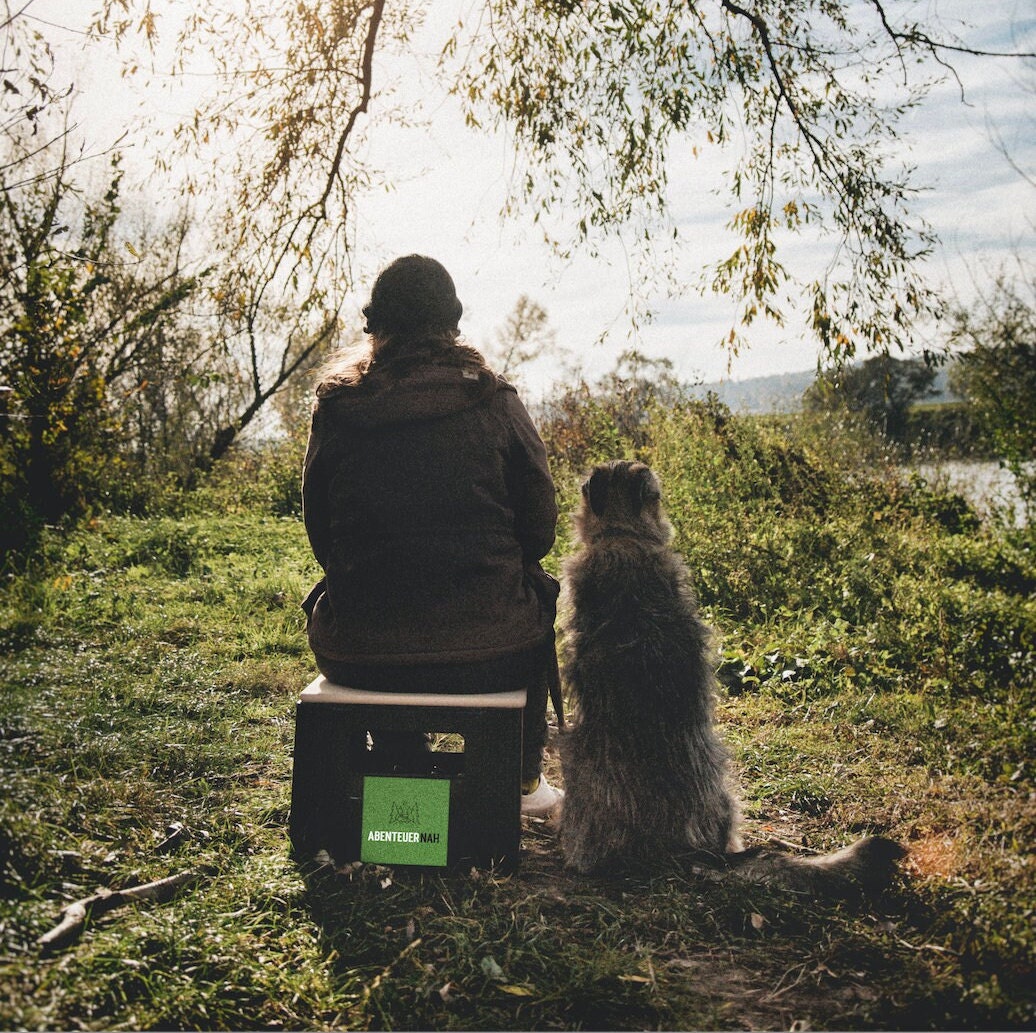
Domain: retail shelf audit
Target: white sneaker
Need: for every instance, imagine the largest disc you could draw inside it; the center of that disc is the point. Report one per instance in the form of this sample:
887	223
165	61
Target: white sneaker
542	800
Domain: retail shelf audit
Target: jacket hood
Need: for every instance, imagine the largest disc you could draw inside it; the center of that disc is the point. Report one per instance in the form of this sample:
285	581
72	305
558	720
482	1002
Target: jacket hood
421	392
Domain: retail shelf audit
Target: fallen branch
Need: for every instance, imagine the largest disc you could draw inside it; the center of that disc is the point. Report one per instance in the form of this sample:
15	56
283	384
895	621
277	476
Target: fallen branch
75	916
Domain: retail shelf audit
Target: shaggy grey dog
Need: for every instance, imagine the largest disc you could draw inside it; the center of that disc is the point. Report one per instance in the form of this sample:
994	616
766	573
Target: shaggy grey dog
645	773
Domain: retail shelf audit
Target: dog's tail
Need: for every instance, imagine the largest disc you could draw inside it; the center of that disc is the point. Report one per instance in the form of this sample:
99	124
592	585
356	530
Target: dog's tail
866	866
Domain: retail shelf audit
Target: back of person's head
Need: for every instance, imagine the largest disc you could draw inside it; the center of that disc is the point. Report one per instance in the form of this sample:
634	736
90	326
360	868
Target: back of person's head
413	315
412	295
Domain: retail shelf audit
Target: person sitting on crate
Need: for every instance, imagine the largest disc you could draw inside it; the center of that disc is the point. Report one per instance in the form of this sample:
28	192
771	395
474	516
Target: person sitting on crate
429	505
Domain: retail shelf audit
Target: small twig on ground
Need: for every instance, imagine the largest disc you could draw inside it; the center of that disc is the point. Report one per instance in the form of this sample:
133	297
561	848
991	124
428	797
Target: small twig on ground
74	917
799	847
387	971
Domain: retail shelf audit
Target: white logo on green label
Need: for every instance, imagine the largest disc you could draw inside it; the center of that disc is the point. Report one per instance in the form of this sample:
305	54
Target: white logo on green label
405	820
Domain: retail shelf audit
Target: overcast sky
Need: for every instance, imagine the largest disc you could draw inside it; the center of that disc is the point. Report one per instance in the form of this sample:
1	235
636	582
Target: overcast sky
448	184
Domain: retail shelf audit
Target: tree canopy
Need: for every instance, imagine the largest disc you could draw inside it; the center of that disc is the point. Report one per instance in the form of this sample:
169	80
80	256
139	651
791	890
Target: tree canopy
806	98
881	389
805	95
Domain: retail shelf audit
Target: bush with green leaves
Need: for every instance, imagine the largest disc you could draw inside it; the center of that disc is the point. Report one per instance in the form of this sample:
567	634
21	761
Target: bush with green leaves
819	560
995	370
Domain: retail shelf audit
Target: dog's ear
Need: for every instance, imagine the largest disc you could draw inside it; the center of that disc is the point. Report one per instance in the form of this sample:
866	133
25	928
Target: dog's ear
595	489
646	487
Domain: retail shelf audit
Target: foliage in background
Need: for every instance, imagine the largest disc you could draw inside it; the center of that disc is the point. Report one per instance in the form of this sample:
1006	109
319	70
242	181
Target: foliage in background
995	371
31	87
126	367
585	423
804	97
881	389
525	337
946	430
80	330
275	153
805	100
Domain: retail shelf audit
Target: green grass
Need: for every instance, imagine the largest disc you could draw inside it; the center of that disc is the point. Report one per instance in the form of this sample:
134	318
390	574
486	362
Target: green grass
878	665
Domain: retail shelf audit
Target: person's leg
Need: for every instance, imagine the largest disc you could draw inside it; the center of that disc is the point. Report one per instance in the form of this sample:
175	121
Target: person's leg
534	721
539	797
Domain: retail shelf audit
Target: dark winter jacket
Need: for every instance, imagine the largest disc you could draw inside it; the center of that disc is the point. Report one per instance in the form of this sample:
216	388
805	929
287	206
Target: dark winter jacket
428	504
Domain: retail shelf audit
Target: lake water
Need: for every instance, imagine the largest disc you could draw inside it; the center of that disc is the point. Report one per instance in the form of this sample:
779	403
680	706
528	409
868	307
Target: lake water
984	483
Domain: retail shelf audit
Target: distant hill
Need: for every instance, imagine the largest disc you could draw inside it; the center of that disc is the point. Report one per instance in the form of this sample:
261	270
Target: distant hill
782	392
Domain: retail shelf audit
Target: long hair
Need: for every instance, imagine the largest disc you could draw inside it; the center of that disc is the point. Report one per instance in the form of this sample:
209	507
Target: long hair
392	355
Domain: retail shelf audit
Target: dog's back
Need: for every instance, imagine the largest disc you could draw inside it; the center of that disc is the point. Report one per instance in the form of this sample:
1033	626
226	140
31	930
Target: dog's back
645	773
644	770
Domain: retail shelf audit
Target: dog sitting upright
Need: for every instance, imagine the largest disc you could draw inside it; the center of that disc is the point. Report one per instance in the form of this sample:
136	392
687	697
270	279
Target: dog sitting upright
645	773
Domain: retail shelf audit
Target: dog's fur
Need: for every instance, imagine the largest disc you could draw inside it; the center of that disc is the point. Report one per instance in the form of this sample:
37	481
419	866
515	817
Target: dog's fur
645	773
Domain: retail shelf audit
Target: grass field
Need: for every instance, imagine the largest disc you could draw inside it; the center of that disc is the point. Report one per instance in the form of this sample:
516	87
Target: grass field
878	663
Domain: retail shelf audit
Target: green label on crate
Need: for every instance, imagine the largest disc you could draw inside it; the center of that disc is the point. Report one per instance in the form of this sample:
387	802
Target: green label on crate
405	820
